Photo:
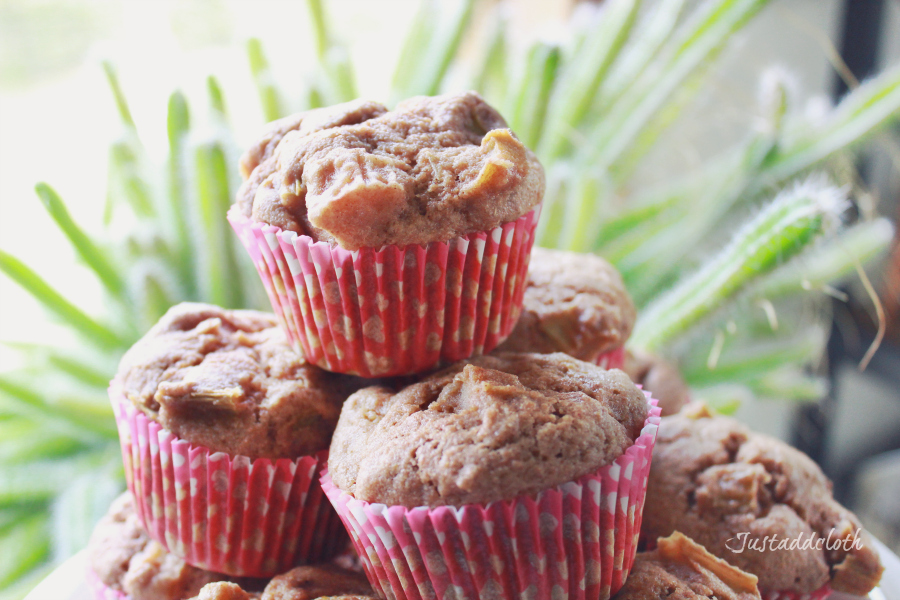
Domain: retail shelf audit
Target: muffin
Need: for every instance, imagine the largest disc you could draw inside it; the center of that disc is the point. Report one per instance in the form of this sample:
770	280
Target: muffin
124	563
436	480
573	303
729	488
659	377
681	569
319	582
389	241
224	432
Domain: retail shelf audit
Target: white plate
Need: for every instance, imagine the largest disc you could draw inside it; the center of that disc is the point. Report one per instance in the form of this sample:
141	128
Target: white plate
68	581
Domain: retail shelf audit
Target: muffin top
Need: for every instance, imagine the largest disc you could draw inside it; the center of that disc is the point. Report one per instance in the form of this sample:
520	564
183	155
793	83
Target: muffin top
660	378
681	569
573	303
124	558
358	175
318	582
229	380
489	428
729	488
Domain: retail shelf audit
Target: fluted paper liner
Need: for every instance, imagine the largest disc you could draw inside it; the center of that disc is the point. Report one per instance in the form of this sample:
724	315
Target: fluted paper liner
397	310
614	359
575	541
222	513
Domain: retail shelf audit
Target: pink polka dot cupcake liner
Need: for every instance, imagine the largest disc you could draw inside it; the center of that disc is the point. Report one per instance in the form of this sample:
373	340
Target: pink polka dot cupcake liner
101	591
223	513
614	359
819	594
575	541
397	310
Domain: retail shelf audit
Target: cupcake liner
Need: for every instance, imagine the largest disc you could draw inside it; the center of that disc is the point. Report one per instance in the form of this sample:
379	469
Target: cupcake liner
229	514
397	310
100	590
575	541
614	359
819	594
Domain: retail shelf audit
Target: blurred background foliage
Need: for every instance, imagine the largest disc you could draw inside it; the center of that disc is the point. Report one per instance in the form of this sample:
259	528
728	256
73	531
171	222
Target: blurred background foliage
733	260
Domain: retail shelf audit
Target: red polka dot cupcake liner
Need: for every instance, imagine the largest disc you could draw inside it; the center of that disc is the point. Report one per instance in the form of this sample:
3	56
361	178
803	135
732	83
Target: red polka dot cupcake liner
819	594
397	310
223	513
614	359
575	541
101	591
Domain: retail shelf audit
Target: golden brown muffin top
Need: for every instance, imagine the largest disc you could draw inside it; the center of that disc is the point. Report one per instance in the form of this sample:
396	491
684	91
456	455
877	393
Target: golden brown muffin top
358	175
124	558
725	486
659	377
681	569
573	303
485	429
229	380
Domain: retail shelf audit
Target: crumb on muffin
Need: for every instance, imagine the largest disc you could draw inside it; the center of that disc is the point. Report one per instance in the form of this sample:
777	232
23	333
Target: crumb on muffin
485	429
723	485
573	303
229	380
358	175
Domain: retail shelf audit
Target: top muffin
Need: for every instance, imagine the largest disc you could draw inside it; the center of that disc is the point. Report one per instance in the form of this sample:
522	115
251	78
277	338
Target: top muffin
358	175
485	429
229	380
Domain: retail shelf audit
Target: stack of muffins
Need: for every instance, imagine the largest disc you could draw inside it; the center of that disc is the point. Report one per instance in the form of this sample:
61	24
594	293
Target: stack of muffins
432	412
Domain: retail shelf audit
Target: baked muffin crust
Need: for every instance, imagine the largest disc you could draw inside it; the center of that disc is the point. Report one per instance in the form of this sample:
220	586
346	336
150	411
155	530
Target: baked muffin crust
573	303
358	175
229	380
681	569
716	481
317	582
124	558
485	429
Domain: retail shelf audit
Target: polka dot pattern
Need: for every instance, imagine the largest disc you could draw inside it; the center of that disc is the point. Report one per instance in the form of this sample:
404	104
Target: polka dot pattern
229	514
397	310
574	542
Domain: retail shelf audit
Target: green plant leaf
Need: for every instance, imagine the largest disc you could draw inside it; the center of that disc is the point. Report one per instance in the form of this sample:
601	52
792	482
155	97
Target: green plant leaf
70	416
84	246
98	334
23	547
423	72
269	97
583	75
781	230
